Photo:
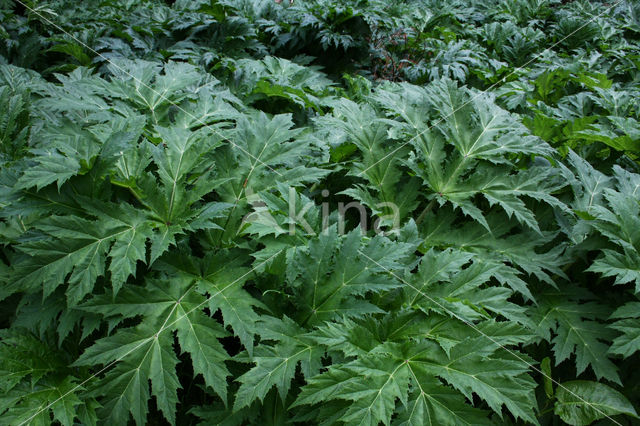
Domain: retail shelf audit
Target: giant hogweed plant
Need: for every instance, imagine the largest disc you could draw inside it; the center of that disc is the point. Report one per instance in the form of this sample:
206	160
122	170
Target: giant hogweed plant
122	244
175	247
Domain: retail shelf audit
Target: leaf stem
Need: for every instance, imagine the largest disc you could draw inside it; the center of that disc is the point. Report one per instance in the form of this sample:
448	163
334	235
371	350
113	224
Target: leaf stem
426	210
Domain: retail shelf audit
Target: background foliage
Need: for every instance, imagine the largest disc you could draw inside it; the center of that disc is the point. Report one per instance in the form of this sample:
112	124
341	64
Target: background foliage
135	136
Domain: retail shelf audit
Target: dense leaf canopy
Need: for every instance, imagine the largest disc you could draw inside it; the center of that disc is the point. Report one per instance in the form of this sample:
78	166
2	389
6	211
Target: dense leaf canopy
360	212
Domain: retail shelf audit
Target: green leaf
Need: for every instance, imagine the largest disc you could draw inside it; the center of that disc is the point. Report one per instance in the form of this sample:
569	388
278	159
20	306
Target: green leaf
433	404
381	158
263	146
14	124
466	153
374	382
581	402
628	325
61	399
198	335
447	284
276	365
579	330
51	166
344	271
36	383
625	267
221	279
146	352
80	253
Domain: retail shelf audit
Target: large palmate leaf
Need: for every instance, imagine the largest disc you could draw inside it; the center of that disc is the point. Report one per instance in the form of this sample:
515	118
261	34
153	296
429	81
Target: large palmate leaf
578	330
276	365
524	251
145	353
344	271
360	126
618	219
263	147
273	77
262	150
50	166
454	283
183	161
113	235
151	87
409	373
83	254
147	356
221	278
464	152
334	287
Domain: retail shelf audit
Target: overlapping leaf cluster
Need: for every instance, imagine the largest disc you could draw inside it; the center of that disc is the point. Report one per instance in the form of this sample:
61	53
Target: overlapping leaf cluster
174	244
